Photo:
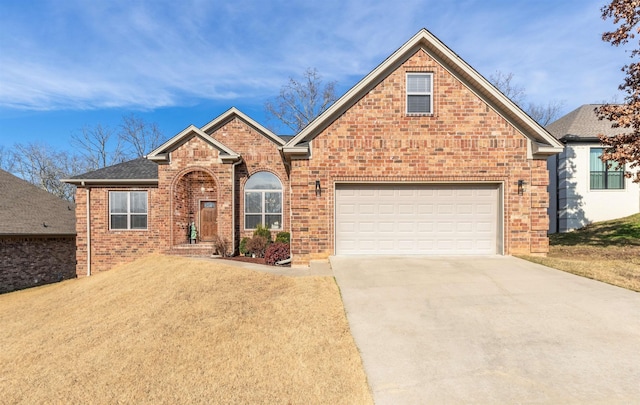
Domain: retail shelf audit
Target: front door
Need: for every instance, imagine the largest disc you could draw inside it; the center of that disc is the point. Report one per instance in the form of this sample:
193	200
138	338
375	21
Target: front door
208	223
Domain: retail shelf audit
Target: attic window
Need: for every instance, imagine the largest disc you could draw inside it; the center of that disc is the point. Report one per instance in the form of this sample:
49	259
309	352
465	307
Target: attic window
419	93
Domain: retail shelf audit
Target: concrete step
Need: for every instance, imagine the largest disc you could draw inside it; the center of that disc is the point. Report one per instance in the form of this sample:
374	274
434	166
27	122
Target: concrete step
198	249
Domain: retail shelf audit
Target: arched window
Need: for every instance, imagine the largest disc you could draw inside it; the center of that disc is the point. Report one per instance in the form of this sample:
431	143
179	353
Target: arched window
263	201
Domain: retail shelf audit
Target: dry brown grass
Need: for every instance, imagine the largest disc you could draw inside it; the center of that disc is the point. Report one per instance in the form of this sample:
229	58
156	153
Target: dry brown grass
607	251
174	330
616	266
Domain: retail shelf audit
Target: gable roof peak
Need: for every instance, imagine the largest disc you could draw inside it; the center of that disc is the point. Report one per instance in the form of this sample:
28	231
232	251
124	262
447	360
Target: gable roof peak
233	112
161	154
541	141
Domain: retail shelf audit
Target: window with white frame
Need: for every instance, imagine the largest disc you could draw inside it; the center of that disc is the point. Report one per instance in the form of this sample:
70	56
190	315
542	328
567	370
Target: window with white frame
602	176
128	210
419	93
263	201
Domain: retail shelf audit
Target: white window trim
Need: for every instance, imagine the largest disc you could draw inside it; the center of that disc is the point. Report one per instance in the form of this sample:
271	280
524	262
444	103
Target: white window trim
263	213
129	213
414	93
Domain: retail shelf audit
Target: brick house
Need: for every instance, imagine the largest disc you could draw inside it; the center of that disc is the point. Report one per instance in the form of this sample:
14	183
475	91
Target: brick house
37	235
423	156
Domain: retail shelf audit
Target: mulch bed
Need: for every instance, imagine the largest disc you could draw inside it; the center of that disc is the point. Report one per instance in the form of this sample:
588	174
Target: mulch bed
256	260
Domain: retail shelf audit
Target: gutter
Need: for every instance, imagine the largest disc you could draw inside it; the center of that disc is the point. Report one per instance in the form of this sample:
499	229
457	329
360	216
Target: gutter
109	182
557	230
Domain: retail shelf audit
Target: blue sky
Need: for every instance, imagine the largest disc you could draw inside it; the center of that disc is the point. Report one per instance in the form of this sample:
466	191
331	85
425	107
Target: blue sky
65	64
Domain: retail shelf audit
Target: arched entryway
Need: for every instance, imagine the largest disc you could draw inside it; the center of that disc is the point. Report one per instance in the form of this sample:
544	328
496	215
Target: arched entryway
195	198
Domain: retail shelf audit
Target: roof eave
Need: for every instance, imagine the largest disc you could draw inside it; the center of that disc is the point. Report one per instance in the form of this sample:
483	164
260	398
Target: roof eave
544	151
114	182
229	158
295	151
159	157
33	234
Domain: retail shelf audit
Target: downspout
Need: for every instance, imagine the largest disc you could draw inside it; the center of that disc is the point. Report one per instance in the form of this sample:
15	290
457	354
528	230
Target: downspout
557	230
233	205
88	230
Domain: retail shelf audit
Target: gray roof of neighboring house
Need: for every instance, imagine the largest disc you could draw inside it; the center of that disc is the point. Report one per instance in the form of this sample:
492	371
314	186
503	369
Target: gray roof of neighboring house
286	138
137	169
582	124
28	210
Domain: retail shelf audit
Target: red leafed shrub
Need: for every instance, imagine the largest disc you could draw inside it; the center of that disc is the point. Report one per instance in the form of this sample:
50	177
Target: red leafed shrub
275	252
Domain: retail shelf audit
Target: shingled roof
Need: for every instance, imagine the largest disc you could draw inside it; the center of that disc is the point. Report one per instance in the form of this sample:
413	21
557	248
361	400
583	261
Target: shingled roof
582	124
30	211
137	171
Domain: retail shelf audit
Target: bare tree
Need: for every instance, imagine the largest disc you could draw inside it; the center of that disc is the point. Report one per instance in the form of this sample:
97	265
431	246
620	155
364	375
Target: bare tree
624	148
504	83
42	166
138	136
301	101
7	159
98	146
545	114
541	113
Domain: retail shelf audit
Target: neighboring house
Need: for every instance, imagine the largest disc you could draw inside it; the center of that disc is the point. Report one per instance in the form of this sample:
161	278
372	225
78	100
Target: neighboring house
37	235
582	189
422	157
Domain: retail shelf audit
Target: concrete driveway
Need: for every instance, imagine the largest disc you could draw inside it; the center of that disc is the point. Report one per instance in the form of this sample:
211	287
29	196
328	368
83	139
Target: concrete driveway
489	330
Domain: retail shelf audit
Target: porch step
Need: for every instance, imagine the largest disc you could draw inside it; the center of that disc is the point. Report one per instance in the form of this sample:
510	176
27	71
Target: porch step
198	249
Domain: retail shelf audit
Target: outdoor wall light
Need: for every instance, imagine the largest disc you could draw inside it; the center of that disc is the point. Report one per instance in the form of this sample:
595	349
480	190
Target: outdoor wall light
318	189
521	185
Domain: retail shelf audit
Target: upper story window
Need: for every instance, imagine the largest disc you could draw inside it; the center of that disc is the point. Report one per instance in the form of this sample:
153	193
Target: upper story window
419	93
128	210
603	177
263	201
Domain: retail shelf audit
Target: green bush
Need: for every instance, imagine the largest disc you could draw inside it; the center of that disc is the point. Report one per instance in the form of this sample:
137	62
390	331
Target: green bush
284	237
264	232
243	245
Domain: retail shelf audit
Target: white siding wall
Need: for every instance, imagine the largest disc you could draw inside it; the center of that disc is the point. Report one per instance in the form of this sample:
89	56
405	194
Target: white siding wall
578	205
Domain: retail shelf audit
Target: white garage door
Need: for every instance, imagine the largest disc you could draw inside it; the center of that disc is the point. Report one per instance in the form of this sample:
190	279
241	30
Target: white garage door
417	219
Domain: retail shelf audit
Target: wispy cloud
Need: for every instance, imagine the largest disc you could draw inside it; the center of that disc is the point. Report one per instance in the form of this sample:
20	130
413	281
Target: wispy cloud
145	55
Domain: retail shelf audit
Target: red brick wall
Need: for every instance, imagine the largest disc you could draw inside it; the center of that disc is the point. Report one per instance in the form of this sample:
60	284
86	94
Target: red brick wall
375	140
194	173
196	160
259	153
111	247
30	261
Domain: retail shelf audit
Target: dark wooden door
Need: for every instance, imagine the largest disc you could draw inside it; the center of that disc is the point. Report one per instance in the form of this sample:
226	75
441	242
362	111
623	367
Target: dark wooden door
208	221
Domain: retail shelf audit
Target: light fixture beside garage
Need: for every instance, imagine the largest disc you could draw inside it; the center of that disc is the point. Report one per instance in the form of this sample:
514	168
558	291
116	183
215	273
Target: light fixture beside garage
521	185
318	189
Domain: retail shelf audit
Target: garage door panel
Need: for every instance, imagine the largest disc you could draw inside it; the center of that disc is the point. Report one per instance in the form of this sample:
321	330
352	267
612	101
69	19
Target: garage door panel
416	219
446	209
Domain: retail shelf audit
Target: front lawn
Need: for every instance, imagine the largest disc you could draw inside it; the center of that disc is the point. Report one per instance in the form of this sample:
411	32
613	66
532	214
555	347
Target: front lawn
171	330
607	251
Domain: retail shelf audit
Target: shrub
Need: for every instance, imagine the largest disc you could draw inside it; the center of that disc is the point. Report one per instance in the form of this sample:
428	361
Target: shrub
221	244
275	252
243	245
263	231
283	237
257	245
